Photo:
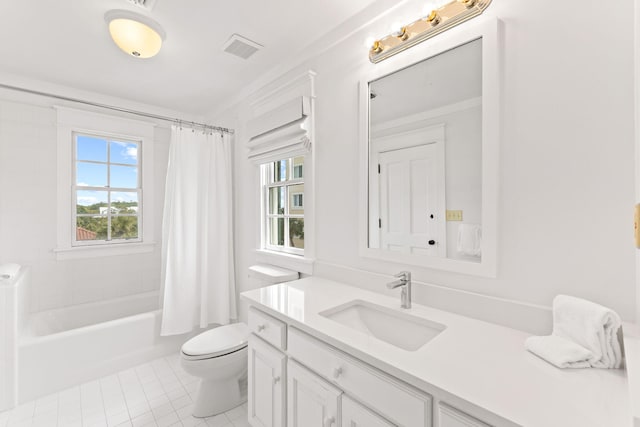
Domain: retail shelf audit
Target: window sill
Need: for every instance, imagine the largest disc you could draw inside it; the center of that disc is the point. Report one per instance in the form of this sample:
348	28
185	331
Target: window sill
97	251
280	259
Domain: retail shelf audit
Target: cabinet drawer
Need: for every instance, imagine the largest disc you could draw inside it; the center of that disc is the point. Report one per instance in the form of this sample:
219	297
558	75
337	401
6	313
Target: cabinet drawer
356	415
394	400
451	417
268	328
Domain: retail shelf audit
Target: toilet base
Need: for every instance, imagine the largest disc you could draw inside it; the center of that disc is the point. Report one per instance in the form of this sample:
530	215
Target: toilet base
216	397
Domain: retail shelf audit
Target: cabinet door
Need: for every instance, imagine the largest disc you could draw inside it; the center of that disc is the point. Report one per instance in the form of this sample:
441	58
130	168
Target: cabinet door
392	399
451	417
313	402
267	385
356	415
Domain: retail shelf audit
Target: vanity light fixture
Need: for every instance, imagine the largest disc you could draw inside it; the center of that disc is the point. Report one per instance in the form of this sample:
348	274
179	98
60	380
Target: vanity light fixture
437	21
137	35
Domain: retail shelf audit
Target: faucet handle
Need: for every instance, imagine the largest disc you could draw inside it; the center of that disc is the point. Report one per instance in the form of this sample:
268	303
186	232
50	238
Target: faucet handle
406	275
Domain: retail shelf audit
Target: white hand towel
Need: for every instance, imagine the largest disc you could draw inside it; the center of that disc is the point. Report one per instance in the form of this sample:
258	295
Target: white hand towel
559	351
591	326
470	239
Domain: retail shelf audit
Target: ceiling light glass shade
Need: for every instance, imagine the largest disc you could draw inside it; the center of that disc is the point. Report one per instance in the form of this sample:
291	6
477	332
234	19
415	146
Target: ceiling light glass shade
135	34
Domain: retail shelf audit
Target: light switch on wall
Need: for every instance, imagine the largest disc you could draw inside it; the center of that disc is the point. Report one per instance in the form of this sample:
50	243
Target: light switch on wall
454	215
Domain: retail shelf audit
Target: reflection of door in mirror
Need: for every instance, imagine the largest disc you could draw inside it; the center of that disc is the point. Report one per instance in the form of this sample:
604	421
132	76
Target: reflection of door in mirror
411	217
411	113
410	188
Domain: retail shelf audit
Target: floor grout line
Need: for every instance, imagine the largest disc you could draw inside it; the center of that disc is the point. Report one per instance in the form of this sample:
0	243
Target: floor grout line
96	403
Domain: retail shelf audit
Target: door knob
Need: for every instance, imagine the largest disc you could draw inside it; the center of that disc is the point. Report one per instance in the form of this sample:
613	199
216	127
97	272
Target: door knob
432	242
328	422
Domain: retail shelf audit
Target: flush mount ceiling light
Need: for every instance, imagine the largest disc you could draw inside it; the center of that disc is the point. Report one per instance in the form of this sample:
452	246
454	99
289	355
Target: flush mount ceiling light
137	35
439	16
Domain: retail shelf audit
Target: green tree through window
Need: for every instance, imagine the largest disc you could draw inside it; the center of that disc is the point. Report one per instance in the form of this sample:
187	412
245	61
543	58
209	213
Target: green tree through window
107	189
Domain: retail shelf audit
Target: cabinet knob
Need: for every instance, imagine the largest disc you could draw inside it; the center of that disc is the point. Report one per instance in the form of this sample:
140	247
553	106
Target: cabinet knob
337	372
261	328
276	380
328	422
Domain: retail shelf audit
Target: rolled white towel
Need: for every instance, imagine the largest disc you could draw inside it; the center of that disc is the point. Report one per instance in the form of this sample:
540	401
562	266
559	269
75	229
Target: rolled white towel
591	326
559	351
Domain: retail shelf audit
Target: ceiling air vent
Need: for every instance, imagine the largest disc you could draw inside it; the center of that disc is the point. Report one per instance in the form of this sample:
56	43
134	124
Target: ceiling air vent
241	46
146	4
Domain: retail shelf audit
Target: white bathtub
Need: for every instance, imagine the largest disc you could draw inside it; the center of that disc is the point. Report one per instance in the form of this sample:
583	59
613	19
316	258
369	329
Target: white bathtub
65	347
13	302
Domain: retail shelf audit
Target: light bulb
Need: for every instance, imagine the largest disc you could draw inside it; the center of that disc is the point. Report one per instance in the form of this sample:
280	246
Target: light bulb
396	28
433	5
369	41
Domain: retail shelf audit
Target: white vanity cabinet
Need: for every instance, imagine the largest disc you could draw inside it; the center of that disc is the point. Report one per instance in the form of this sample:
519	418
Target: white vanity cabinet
297	380
451	417
399	403
356	415
267	394
312	402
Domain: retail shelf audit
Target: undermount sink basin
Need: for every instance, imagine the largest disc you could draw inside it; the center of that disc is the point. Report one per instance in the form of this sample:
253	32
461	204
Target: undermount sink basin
402	330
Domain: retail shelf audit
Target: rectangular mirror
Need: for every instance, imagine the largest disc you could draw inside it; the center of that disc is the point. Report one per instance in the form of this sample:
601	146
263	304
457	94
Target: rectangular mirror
431	149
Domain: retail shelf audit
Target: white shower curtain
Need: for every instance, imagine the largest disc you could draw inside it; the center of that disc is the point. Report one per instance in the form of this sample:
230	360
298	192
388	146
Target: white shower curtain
197	240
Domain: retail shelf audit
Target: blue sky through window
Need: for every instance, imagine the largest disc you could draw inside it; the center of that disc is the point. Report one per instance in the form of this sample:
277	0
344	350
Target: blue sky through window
122	175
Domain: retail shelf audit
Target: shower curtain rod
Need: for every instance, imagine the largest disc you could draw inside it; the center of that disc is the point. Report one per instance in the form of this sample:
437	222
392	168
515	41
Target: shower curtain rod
180	122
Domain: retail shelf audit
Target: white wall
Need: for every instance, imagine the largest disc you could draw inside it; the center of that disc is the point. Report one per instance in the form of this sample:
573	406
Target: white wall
567	166
28	214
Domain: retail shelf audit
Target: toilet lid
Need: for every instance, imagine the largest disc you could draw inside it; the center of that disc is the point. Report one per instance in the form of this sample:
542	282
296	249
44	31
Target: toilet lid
218	341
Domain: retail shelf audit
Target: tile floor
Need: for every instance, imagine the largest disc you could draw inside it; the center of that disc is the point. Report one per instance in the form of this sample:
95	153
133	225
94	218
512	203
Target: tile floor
158	394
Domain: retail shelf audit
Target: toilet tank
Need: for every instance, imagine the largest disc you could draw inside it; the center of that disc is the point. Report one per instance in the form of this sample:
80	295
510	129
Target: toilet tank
262	275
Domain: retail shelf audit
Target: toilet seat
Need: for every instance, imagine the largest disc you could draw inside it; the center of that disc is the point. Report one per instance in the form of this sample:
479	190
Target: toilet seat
216	342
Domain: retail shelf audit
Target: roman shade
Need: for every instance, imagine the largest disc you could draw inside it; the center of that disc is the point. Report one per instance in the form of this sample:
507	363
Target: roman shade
281	132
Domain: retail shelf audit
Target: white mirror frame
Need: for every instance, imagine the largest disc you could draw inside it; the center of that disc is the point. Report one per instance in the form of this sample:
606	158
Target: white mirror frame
489	30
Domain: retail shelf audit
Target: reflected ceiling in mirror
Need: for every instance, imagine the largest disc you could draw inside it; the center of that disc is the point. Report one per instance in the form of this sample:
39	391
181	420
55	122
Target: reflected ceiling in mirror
425	157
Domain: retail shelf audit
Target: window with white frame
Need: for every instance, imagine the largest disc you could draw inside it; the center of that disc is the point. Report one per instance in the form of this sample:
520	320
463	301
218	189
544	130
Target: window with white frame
106	189
283	218
105	185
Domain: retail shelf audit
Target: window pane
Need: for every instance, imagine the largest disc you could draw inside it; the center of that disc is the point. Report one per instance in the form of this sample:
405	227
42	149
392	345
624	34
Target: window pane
276	231
124	176
276	201
91	202
124	203
91	174
298	166
296	199
91	228
91	148
124	152
124	227
296	233
280	170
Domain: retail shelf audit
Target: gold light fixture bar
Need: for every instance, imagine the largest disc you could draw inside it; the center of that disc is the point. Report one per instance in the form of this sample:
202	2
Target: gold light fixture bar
438	21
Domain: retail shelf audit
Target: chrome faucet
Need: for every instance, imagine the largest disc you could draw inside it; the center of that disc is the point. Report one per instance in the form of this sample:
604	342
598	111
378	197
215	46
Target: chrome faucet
404	281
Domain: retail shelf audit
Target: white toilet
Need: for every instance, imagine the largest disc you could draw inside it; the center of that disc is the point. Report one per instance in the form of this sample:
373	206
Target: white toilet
219	356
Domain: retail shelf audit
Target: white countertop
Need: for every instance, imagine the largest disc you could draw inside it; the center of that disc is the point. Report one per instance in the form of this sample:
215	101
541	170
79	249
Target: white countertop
632	354
482	363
